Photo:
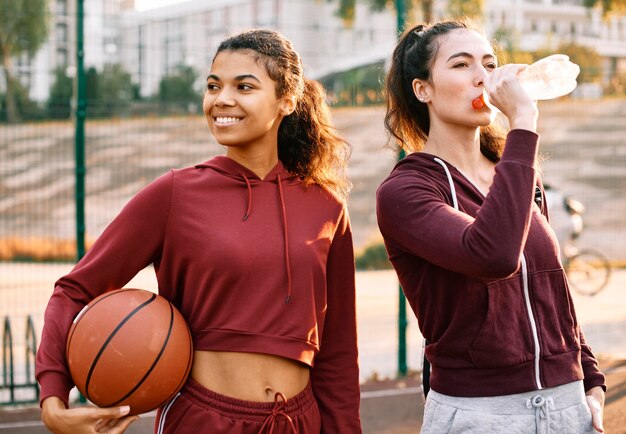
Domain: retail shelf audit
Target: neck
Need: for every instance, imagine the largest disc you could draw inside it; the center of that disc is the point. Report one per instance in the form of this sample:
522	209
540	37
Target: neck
459	147
462	150
259	163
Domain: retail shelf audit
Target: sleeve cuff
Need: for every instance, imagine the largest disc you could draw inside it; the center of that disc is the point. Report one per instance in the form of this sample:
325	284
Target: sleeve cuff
53	384
595	380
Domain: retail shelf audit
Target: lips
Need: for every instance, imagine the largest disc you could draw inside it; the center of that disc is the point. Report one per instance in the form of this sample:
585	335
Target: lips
478	103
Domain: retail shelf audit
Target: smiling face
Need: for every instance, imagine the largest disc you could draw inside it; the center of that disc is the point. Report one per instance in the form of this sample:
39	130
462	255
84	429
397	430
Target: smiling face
463	59
241	105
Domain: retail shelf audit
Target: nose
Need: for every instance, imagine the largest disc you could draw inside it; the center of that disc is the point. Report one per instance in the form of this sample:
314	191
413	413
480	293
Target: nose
224	98
480	75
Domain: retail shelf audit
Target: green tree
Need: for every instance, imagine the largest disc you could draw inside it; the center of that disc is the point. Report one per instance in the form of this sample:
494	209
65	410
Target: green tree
23	29
109	92
179	87
60	99
27	108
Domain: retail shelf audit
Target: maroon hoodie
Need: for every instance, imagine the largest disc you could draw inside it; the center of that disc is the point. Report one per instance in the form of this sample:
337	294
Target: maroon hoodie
484	280
253	265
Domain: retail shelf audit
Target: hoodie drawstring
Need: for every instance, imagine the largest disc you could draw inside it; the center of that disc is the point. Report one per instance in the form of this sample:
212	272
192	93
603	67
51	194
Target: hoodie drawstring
286	237
285	229
247	214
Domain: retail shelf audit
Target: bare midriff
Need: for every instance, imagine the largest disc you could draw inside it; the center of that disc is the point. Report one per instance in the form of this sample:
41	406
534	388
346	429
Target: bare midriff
249	376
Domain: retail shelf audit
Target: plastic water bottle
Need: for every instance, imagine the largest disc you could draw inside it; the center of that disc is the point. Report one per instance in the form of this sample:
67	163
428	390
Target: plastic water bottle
547	78
550	77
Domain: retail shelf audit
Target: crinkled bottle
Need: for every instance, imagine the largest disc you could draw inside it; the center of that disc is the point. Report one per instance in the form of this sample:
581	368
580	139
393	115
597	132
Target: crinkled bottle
550	77
547	78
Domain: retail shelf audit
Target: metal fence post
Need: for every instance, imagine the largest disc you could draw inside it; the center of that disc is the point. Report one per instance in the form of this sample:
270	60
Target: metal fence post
8	376
402	320
79	142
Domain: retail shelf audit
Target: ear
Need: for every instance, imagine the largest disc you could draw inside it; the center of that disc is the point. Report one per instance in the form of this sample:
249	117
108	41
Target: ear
288	105
420	89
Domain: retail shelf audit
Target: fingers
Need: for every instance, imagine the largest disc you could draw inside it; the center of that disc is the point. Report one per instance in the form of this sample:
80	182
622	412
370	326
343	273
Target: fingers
113	412
596	413
507	94
114	426
504	80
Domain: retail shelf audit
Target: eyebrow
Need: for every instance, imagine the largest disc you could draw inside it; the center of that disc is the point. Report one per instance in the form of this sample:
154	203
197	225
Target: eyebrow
465	54
237	78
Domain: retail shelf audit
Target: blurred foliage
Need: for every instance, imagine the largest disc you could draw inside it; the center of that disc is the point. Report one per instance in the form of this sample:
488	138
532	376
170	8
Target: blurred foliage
463	8
23	29
179	88
60	101
373	257
608	6
27	108
109	92
361	86
346	8
357	87
590	62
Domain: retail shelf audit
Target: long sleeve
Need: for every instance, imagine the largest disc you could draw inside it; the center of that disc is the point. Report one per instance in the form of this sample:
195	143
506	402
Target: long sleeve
335	375
593	376
414	216
130	243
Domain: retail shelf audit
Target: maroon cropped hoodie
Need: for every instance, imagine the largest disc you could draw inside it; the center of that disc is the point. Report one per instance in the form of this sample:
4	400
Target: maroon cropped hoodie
254	265
484	280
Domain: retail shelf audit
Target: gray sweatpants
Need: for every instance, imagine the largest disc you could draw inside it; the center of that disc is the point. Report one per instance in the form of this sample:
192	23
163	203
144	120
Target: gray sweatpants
559	410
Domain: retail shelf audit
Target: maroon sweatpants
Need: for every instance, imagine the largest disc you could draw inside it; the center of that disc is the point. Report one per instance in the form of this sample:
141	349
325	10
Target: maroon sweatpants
198	410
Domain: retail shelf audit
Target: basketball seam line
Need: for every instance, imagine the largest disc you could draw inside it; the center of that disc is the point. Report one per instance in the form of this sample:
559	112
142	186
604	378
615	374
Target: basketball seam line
156	360
111	336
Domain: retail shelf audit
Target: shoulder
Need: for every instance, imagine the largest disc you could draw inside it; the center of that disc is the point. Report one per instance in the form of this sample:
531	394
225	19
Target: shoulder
412	173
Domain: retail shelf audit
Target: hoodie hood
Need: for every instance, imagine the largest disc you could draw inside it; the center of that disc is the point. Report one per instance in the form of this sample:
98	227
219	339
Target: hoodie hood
248	179
448	178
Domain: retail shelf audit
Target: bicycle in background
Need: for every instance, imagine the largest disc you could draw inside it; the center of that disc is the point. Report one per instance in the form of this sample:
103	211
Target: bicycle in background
588	270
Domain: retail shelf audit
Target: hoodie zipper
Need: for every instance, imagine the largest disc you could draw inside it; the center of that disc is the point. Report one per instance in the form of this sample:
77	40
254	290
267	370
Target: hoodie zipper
531	317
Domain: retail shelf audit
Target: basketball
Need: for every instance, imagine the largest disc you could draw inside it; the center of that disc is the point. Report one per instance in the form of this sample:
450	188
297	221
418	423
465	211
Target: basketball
129	347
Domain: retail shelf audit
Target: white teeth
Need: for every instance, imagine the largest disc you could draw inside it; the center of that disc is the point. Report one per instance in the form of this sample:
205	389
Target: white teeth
226	120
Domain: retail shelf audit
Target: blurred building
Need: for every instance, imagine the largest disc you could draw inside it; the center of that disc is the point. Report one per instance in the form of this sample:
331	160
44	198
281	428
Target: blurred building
151	44
102	31
545	24
159	40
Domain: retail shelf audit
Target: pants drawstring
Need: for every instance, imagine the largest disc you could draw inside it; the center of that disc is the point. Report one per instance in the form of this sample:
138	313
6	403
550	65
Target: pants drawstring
277	411
542	406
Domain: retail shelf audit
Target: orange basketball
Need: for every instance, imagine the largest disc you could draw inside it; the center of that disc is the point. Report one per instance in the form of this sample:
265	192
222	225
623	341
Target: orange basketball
129	347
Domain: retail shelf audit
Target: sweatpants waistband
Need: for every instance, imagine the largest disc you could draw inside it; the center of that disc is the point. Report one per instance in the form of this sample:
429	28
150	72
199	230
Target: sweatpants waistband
559	398
242	409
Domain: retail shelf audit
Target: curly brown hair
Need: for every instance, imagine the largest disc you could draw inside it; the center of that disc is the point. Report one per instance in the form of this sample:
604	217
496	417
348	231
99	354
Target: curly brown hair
308	144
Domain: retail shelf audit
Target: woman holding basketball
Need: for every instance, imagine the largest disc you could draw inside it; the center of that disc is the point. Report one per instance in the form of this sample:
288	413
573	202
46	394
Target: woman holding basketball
253	247
474	253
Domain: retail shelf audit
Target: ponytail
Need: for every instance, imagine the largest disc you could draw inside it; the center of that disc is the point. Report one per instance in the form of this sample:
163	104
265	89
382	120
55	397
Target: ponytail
309	145
407	120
